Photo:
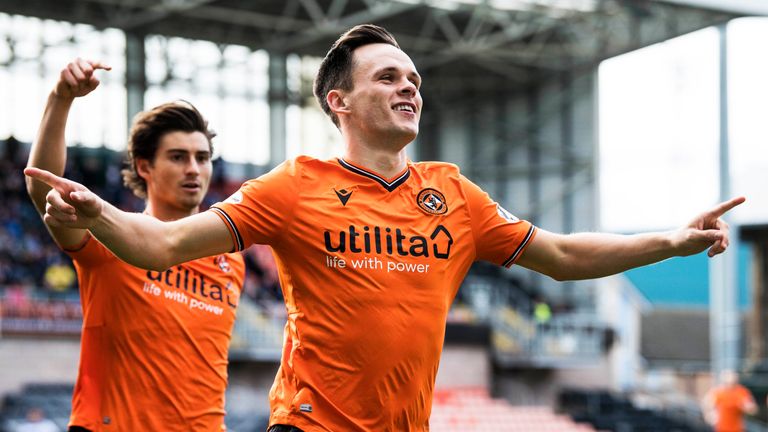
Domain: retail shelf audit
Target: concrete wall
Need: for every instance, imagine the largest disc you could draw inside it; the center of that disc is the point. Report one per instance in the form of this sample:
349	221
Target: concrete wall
37	361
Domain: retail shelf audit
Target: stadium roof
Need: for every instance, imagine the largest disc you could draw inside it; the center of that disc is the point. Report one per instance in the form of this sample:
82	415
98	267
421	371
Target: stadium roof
517	41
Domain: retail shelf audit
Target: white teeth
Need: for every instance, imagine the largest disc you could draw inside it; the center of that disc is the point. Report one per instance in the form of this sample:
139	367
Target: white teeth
403	108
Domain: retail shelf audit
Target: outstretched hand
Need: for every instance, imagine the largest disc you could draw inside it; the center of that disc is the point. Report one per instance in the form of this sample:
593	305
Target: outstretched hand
68	204
78	79
707	230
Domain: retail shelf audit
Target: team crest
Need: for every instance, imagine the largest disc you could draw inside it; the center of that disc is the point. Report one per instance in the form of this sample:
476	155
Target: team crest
223	264
432	201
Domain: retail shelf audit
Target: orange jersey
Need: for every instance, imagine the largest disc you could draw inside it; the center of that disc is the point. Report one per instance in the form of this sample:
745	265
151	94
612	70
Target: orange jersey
154	344
729	403
369	268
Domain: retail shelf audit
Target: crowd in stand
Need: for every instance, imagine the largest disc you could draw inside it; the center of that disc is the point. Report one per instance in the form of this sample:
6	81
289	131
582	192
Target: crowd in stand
38	280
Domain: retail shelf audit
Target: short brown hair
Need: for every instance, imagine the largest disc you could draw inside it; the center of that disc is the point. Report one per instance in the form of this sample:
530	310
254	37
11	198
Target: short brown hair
336	68
147	130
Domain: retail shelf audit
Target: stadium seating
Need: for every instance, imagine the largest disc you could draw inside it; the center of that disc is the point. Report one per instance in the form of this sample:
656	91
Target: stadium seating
606	411
473	410
54	399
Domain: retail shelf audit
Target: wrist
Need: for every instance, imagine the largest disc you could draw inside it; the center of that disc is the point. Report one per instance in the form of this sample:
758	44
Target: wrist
100	220
61	99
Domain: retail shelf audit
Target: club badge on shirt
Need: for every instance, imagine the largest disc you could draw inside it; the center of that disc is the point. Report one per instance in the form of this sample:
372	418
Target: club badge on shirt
223	264
432	201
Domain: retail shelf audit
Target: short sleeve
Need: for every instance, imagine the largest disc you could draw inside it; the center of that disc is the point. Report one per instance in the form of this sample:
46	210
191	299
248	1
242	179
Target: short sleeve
90	253
260	211
500	237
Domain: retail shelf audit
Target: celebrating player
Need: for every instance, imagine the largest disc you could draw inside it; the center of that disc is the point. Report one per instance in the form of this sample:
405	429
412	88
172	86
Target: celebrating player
371	247
154	343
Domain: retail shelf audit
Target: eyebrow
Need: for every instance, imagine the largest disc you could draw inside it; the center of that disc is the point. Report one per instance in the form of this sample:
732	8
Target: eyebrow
183	151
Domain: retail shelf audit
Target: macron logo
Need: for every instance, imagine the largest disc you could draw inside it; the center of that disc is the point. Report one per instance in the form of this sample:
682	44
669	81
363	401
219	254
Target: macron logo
343	196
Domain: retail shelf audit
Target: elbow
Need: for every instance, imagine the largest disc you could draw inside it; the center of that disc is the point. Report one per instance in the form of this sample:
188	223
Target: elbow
564	271
33	187
161	261
561	275
157	266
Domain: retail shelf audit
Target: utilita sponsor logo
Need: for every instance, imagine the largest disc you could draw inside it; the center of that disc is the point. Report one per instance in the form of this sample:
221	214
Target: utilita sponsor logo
194	283
390	241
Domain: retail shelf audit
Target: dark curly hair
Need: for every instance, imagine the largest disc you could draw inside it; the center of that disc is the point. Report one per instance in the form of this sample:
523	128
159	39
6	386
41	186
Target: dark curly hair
147	129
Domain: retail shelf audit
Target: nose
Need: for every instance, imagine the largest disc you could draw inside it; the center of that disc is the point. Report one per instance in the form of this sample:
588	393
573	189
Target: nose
408	88
193	166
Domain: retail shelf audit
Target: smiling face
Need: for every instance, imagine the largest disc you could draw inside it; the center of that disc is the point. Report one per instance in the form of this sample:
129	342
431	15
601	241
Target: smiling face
178	177
384	103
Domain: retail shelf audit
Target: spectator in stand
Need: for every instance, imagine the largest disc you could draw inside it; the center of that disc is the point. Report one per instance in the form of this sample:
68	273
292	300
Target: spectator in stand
36	421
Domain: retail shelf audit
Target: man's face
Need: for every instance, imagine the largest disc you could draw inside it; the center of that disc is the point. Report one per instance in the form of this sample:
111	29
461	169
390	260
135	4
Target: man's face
385	99
179	177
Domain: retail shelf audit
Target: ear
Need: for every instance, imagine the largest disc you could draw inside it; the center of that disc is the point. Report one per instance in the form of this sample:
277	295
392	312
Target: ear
337	102
142	168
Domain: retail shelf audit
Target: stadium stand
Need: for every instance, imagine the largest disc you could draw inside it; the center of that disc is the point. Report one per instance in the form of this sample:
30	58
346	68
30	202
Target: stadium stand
610	412
53	399
472	409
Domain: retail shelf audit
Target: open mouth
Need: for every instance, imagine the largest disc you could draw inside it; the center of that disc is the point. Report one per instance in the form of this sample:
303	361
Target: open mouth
405	107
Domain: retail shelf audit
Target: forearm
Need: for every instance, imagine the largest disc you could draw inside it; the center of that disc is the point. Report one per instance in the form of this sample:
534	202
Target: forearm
49	152
149	243
138	239
595	255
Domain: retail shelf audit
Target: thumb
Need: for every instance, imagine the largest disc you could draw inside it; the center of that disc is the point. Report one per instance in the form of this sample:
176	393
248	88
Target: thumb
79	196
87	202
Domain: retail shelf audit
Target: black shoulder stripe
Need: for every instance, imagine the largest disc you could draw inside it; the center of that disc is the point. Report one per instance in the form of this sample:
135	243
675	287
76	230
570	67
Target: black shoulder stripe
239	244
520	247
389	186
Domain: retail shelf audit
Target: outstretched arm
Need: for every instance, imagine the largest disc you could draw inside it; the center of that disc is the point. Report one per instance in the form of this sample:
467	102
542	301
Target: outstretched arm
594	255
49	151
137	239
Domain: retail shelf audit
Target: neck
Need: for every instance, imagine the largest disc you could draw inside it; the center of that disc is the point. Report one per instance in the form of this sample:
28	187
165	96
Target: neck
386	158
385	163
168	213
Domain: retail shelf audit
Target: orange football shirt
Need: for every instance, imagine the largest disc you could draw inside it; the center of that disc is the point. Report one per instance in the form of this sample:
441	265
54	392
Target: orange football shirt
729	403
369	268
154	345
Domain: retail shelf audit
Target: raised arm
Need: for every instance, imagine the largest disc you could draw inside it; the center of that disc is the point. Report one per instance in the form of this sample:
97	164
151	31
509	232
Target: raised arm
594	255
49	151
137	239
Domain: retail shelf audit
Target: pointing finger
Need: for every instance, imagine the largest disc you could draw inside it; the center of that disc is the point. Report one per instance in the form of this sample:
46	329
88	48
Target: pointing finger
46	177
726	206
100	65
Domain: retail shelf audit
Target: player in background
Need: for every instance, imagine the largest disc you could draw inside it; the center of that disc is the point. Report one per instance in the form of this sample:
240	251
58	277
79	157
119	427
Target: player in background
371	247
154	343
725	405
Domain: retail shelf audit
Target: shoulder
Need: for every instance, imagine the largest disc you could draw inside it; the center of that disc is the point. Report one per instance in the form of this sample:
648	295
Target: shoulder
301	166
439	168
